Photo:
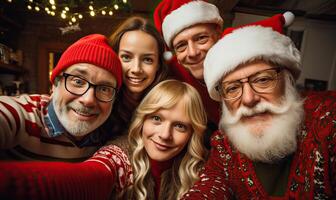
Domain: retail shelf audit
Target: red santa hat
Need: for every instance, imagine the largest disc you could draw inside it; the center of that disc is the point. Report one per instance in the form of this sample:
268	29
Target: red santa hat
172	16
263	39
93	49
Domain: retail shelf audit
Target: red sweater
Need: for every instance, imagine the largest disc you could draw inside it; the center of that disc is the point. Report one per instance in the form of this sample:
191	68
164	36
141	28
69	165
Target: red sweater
229	174
95	178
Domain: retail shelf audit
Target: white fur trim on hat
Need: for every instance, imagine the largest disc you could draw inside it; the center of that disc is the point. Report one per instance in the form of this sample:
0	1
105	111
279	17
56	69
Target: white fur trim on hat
189	14
243	45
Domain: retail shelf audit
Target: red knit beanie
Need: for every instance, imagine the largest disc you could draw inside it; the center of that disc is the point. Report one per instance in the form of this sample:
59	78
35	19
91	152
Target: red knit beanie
93	49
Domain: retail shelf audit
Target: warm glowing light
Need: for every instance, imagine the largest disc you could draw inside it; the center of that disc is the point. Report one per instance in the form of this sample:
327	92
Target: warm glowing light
52	2
37	8
73	19
92	13
63	15
116	6
46	9
29	7
91	7
103	12
124	1
53	7
111	12
52	13
66	8
31	1
10	1
80	16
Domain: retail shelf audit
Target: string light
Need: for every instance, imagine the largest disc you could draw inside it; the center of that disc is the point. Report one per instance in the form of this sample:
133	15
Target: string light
64	9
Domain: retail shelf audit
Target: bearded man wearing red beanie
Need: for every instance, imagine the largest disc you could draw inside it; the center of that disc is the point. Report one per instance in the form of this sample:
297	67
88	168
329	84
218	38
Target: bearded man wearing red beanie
271	142
85	82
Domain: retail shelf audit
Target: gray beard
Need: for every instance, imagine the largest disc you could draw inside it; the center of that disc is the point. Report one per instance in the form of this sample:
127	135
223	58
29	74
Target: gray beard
278	137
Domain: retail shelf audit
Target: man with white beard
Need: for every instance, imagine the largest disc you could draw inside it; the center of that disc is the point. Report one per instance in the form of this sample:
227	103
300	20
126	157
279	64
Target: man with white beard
271	143
85	81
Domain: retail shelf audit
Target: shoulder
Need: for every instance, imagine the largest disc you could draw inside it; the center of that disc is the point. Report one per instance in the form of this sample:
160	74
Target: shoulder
320	115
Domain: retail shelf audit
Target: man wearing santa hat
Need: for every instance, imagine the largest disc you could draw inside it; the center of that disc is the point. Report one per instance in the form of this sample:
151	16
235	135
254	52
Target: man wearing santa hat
271	142
190	28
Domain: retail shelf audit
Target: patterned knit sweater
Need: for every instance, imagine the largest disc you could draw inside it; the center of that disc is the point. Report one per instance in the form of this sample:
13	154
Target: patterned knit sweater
312	174
24	133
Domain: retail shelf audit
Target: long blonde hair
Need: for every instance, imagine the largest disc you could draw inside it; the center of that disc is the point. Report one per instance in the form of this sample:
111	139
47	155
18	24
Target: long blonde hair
185	167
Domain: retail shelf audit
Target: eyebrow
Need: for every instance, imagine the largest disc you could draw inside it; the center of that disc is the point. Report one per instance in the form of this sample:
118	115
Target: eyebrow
84	73
129	52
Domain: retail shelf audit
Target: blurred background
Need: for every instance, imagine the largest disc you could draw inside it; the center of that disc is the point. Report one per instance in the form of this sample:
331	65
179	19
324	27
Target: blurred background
34	33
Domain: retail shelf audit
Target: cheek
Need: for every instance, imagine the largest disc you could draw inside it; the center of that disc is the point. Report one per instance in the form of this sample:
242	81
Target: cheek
182	139
105	109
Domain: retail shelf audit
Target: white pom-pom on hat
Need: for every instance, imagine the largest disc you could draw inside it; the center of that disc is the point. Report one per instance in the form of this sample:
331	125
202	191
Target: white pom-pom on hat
167	55
289	18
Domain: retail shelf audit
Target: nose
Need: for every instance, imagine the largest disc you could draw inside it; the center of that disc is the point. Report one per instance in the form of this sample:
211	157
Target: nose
193	51
165	132
249	97
88	99
136	66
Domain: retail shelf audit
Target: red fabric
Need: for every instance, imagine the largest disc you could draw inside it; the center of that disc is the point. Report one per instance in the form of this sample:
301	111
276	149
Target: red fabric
164	8
94	179
43	180
93	49
157	168
276	23
212	107
229	174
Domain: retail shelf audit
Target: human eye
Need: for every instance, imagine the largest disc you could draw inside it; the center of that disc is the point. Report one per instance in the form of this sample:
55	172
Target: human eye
148	60
104	89
180	47
231	88
202	39
125	58
77	82
181	127
155	119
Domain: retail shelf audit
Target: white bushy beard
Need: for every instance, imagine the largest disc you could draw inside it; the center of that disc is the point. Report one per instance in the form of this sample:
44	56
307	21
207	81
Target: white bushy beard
266	141
74	126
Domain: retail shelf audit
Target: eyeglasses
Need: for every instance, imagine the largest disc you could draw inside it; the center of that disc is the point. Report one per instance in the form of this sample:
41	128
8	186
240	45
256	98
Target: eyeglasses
79	86
261	82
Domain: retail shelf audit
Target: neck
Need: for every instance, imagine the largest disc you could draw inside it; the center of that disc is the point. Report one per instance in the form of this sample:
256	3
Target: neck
131	96
157	168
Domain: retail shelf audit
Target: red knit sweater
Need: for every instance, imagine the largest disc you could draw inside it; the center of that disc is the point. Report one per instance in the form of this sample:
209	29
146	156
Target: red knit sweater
229	174
96	178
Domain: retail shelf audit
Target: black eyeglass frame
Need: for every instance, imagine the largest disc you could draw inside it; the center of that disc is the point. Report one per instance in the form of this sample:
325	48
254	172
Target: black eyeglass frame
66	75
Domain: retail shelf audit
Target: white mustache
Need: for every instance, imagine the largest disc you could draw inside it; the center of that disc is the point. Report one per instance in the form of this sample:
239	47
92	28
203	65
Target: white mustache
82	109
261	107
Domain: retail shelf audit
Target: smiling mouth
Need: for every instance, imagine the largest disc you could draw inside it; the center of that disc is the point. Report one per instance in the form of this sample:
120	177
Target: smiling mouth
161	147
84	115
135	80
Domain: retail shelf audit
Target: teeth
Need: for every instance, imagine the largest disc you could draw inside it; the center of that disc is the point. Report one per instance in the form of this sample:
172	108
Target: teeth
135	80
81	113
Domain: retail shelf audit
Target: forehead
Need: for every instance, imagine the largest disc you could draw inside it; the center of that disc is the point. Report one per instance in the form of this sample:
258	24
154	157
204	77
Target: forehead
178	112
135	41
92	73
246	70
192	31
